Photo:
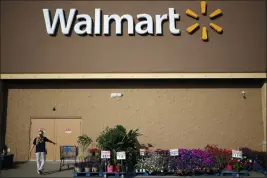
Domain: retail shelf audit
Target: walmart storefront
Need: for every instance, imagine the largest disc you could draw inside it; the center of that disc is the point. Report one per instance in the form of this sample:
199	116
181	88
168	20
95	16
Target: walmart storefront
187	74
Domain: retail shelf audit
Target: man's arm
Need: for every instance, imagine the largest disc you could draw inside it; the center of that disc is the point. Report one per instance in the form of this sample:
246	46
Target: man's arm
33	145
50	141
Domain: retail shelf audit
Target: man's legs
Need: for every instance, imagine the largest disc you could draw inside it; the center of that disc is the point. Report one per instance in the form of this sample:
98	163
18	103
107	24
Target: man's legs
43	158
38	161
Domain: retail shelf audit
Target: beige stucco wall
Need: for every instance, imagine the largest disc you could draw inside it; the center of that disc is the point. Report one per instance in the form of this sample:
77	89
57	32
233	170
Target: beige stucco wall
168	116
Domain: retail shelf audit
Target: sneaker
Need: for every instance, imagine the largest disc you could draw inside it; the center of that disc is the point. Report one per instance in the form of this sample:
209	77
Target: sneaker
38	172
41	172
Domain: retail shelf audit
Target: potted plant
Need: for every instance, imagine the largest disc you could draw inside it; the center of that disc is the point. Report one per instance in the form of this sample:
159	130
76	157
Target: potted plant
139	167
84	142
80	165
110	167
215	170
153	163
222	156
87	167
117	168
238	166
118	139
77	167
116	164
229	167
91	152
208	171
95	166
97	152
180	172
94	152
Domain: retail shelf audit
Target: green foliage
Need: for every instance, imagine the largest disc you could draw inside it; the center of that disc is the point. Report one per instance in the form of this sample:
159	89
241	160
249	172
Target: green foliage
238	166
84	142
118	139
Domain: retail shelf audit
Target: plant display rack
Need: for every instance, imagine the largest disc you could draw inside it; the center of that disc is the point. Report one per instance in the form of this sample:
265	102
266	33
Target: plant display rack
116	174
117	145
140	174
260	168
233	173
98	174
87	174
217	174
121	174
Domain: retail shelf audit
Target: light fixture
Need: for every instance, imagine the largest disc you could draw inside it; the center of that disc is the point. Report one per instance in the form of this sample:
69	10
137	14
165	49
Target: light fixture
244	94
116	95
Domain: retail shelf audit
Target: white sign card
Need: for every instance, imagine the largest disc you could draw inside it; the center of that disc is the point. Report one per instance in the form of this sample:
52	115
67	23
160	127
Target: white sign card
121	155
142	152
236	154
174	152
105	154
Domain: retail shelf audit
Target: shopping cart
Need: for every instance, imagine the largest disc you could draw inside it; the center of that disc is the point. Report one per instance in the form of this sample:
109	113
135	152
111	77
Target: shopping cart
68	155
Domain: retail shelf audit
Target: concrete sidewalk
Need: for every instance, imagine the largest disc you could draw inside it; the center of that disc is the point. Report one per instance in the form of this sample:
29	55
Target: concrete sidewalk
29	170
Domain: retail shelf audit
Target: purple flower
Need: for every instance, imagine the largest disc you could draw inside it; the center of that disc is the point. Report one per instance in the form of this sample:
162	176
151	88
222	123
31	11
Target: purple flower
191	160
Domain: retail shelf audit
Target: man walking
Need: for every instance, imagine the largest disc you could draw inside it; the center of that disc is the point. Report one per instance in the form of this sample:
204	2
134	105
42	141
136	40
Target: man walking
41	152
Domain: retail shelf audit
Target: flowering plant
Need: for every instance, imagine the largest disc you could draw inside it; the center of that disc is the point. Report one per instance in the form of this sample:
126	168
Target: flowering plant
237	164
94	162
222	156
94	151
192	161
154	162
258	156
246	162
140	164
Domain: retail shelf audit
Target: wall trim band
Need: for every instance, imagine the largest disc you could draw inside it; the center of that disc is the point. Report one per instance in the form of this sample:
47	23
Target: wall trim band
137	76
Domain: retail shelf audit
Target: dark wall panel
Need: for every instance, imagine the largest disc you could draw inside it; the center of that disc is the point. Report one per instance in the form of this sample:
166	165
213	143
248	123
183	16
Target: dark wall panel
27	48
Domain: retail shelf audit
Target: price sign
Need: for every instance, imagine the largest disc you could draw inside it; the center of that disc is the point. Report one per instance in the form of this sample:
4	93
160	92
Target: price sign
142	152
105	154
236	154
68	130
121	155
174	152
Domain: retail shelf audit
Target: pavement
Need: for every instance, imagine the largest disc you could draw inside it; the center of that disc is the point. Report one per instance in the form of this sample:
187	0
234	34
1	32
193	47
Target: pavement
28	169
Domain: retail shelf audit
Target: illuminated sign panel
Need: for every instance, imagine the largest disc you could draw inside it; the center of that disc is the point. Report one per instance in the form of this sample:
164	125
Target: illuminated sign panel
84	24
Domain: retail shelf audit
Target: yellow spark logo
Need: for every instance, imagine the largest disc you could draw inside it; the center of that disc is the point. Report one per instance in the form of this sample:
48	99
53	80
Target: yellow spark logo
213	15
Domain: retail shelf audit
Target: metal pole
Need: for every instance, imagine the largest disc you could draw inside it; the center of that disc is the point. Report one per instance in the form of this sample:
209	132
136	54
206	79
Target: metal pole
105	175
142	166
122	169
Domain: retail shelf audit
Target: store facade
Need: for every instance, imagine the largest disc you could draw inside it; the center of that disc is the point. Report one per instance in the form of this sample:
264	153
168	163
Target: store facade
178	89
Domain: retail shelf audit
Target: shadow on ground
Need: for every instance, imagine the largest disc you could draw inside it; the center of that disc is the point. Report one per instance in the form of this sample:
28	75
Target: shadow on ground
28	169
15	166
56	171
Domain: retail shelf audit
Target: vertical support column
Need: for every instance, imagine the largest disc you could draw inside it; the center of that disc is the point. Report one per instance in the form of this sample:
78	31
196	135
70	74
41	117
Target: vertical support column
3	114
264	116
1	119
